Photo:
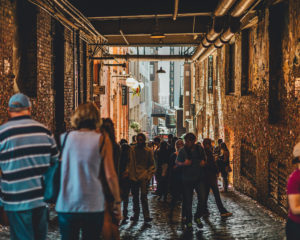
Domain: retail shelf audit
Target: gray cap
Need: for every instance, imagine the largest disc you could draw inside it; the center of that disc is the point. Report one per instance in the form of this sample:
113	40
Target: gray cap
19	102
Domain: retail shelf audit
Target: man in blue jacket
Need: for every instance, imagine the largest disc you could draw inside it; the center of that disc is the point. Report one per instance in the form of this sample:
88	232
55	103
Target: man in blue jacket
27	148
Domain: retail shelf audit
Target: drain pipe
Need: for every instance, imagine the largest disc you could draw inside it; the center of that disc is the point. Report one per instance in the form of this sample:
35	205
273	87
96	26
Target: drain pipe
217	28
236	13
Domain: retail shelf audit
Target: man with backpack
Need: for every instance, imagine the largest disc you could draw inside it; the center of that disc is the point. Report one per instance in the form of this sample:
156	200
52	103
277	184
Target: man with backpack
192	159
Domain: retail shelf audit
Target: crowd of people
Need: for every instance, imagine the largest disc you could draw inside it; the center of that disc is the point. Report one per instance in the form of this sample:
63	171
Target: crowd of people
98	175
179	167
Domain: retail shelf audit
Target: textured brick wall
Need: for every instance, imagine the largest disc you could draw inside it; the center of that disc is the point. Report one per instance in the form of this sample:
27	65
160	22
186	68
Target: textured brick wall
7	30
69	77
260	151
44	102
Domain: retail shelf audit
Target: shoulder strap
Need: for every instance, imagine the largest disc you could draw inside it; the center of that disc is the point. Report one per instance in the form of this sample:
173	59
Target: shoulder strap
103	141
63	145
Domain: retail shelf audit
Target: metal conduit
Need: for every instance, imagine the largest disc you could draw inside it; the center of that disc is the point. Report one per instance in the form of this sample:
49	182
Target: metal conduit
237	12
144	57
212	35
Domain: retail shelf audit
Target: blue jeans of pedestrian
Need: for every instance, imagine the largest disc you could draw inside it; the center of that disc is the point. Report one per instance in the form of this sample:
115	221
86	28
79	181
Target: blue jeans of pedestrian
28	225
89	224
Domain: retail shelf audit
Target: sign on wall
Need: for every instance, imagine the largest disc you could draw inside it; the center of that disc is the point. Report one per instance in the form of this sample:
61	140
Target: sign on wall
124	95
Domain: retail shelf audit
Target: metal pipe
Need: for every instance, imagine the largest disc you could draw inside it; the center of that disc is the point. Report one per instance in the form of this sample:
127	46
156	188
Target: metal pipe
223	8
175	9
241	7
82	17
208	52
146	44
144	57
125	39
212	35
205	14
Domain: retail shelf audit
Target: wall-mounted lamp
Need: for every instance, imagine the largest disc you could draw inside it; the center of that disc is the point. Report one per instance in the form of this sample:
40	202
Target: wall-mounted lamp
160	70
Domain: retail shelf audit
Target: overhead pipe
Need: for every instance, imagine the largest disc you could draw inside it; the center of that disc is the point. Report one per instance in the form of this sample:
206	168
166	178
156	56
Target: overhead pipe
234	27
175	9
144	57
216	30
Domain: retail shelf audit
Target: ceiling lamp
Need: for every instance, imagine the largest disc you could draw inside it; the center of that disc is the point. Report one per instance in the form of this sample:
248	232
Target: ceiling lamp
160	70
157	34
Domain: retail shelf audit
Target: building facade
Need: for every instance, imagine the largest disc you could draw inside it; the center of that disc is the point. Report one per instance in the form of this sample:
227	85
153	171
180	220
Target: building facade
247	93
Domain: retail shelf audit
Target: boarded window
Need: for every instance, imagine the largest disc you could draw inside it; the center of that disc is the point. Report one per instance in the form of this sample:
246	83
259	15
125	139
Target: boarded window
278	28
230	84
58	53
245	62
210	70
26	32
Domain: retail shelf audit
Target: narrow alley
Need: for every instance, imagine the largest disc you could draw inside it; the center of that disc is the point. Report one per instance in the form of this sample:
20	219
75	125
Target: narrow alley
250	221
102	100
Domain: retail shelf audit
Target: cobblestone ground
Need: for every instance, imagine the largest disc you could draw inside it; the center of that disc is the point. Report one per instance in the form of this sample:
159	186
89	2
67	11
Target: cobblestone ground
249	221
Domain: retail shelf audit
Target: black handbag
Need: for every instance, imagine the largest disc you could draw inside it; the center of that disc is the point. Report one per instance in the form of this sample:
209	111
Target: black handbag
51	178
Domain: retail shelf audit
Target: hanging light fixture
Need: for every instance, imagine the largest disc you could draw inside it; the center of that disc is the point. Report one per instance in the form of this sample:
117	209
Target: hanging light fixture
160	70
157	34
131	82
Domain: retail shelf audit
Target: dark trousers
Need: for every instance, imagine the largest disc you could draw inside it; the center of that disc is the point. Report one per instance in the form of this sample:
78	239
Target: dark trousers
28	225
136	187
292	230
211	182
90	225
188	190
225	180
176	195
163	192
125	190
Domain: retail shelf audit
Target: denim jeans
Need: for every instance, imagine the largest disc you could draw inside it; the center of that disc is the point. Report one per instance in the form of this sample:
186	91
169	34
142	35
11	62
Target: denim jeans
90	225
188	191
292	230
28	225
211	182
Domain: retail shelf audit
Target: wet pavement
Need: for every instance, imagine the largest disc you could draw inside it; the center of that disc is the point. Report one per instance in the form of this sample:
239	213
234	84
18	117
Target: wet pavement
249	221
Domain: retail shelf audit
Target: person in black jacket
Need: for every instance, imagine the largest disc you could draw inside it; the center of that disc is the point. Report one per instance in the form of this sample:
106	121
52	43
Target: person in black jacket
175	180
211	180
192	160
163	156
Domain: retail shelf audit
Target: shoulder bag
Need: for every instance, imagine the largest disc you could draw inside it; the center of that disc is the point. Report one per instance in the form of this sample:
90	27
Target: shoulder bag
51	178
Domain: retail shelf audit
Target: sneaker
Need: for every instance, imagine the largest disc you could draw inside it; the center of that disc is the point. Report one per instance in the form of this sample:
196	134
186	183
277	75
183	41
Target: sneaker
134	218
148	219
226	214
199	223
189	226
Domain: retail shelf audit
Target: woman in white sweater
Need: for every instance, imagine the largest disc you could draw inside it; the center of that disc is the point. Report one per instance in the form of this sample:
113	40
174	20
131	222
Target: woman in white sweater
80	203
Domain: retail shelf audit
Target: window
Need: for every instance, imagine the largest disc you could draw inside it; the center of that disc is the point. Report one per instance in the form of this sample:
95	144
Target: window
278	28
26	20
245	62
230	85
210	71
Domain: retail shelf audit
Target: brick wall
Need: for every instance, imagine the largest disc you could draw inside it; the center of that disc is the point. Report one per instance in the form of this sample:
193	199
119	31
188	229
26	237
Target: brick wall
41	78
260	150
6	52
